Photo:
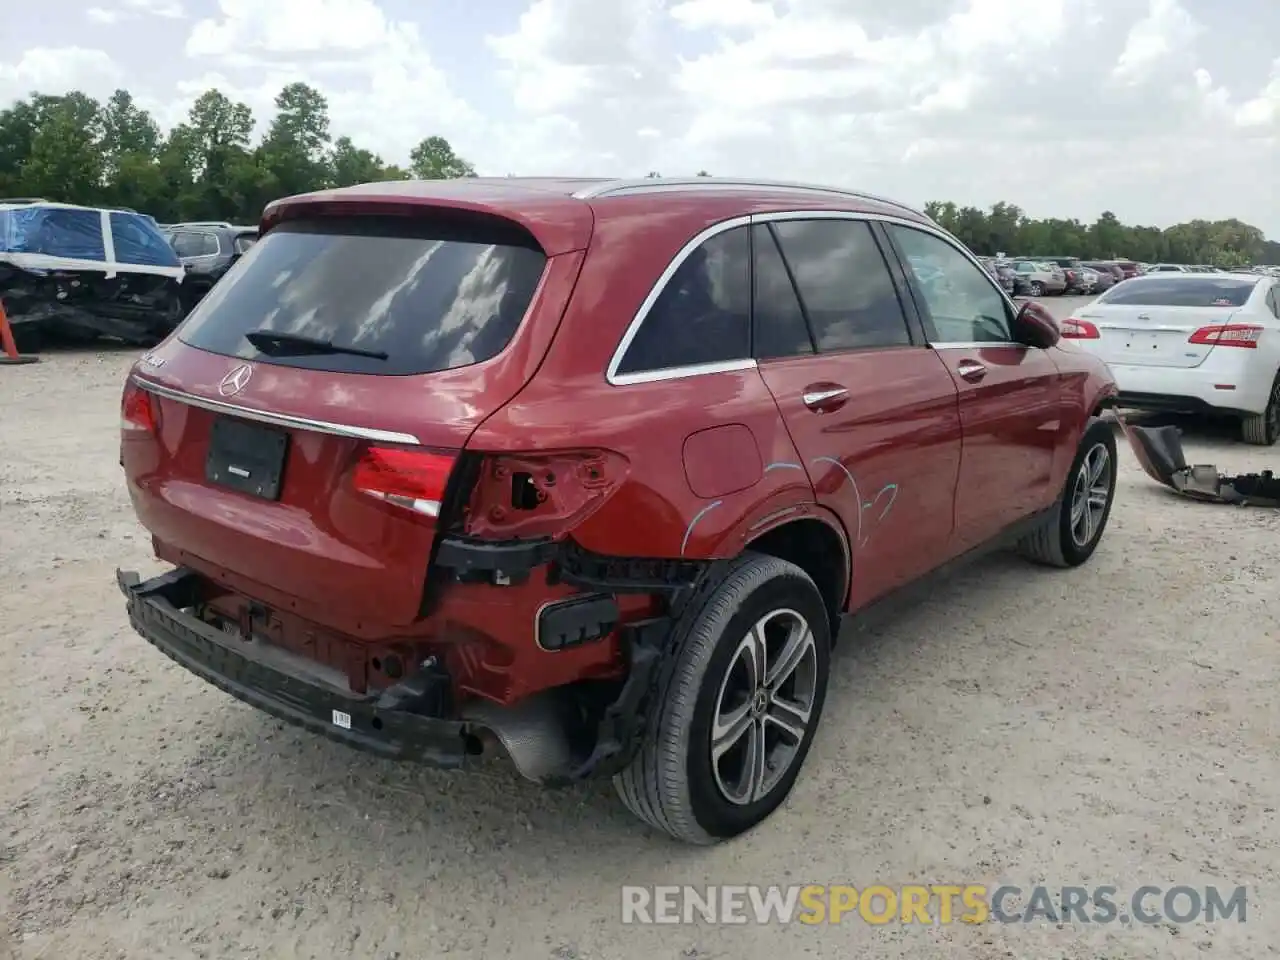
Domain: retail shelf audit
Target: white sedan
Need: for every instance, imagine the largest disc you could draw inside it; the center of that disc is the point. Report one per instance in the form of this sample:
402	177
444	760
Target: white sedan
1191	343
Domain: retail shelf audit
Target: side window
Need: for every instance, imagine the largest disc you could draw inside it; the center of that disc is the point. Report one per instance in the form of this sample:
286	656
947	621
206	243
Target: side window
1273	301
703	314
844	284
208	243
780	327
186	244
963	303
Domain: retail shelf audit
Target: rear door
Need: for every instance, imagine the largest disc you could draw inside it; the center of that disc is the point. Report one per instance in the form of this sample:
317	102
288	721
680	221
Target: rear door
870	408
320	471
1008	392
1153	321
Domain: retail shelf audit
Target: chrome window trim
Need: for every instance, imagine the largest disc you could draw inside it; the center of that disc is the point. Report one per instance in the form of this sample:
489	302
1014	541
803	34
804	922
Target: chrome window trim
633	328
671	373
277	419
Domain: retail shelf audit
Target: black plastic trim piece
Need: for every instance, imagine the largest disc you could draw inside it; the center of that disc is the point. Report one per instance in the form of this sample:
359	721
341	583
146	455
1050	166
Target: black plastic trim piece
568	623
621	727
510	557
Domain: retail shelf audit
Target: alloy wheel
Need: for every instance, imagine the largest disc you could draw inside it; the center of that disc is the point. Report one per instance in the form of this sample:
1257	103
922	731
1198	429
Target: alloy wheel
764	706
1090	494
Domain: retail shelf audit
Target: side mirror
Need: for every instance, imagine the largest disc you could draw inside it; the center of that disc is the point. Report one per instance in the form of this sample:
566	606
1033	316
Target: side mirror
1035	326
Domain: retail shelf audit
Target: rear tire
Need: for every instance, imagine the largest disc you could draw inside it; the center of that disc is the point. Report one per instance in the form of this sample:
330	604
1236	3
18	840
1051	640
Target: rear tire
1071	533
1037	288
1263	429
679	782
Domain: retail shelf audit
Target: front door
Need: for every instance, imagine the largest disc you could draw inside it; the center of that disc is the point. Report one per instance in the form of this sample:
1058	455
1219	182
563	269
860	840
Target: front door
871	409
1009	393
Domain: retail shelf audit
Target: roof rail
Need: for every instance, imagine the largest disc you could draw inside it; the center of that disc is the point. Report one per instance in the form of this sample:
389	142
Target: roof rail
624	186
203	223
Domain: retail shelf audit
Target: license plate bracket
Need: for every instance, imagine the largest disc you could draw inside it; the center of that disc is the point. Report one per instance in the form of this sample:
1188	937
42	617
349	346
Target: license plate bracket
246	457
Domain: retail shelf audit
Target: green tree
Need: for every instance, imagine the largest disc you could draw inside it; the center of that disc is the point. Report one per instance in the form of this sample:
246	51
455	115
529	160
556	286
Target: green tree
65	159
351	164
434	159
295	149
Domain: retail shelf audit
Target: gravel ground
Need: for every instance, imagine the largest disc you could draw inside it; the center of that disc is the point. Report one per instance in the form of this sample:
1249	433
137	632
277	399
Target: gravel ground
1115	724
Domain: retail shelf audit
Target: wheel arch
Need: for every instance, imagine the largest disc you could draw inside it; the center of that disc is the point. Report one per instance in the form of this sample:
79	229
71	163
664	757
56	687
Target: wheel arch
818	545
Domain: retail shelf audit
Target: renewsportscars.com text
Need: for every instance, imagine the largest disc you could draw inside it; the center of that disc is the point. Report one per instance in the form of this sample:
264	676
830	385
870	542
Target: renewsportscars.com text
931	904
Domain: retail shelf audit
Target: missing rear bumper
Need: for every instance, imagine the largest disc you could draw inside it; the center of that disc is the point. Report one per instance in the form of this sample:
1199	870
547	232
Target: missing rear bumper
266	678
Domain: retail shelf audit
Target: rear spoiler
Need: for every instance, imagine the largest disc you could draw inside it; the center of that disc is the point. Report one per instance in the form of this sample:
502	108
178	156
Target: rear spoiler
558	223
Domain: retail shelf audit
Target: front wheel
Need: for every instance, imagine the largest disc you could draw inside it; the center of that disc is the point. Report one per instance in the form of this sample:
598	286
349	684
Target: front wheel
1263	429
735	710
1071	533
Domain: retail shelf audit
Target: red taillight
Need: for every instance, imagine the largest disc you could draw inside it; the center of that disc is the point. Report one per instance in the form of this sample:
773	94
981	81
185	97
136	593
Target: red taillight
138	410
413	479
1074	328
1228	335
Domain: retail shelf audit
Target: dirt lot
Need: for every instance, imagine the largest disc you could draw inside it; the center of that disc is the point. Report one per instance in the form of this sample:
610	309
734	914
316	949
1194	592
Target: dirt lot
1112	725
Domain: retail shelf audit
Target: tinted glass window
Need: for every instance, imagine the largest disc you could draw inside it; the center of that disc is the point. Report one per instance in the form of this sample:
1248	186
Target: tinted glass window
1273	301
1181	290
780	328
430	297
54	232
963	303
194	244
844	284
138	241
703	314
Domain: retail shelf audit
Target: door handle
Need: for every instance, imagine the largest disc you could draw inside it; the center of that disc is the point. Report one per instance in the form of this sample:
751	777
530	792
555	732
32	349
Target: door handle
971	370
825	398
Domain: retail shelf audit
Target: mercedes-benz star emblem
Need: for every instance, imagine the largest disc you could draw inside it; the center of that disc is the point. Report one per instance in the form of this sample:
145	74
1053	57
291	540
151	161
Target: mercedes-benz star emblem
235	381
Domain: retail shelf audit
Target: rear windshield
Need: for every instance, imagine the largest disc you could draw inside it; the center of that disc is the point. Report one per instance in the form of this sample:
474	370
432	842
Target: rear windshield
431	296
1180	291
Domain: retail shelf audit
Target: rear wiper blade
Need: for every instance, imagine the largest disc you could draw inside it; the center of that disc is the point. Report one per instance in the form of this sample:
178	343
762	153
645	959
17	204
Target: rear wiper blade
276	344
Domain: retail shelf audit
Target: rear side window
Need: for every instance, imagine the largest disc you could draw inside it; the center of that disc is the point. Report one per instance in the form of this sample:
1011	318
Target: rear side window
244	241
195	244
1180	290
703	314
780	328
844	284
138	241
429	296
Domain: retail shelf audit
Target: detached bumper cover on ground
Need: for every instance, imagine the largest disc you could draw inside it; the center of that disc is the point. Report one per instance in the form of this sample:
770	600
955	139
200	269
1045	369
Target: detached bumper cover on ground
262	677
1159	451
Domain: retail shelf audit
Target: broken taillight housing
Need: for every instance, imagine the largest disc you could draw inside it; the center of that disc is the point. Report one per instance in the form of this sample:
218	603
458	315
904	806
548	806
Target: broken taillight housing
1073	328
138	412
1228	335
412	479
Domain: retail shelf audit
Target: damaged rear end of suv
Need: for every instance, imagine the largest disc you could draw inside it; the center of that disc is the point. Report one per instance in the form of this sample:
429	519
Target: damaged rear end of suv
582	470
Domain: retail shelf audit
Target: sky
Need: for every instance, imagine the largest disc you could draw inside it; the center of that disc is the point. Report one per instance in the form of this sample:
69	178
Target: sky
1158	110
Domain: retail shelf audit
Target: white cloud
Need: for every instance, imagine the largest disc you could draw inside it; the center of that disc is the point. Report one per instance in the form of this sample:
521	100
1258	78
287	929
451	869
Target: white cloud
1166	30
57	70
1065	107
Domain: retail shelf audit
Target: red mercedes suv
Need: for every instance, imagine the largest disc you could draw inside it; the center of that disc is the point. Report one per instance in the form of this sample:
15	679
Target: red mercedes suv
589	471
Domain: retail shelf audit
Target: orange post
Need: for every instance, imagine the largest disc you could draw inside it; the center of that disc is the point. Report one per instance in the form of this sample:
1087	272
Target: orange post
11	354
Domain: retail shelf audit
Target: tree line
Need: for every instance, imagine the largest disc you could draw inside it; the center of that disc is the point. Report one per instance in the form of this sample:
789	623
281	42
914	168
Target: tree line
73	149
76	149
